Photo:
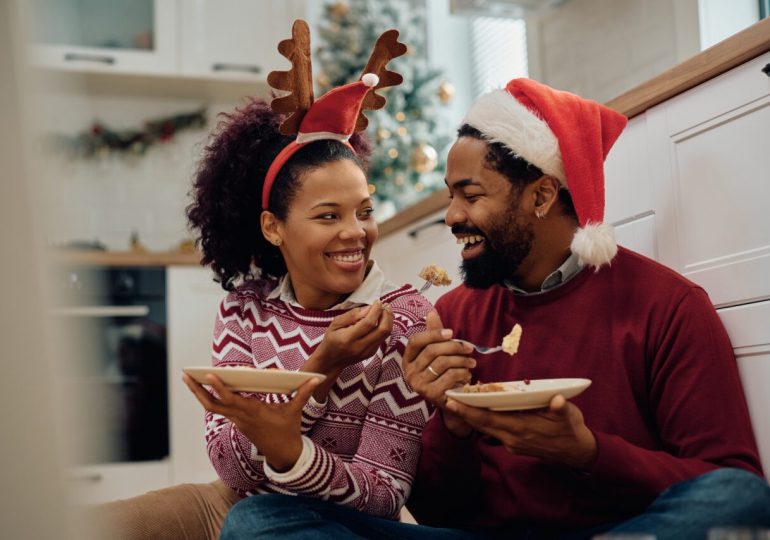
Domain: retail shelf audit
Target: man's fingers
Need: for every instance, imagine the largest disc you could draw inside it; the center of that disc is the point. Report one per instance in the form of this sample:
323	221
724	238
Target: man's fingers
433	321
558	404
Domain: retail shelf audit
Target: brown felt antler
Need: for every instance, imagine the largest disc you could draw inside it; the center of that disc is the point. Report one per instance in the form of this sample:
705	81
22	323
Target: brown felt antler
386	49
298	80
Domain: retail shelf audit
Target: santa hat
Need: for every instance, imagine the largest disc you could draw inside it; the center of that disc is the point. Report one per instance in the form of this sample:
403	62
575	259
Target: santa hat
333	116
565	136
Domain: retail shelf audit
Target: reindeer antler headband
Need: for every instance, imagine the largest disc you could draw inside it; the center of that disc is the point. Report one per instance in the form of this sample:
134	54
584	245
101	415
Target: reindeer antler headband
337	114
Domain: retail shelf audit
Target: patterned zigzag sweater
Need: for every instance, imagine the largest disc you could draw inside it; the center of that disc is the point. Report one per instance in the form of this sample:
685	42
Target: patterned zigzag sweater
365	440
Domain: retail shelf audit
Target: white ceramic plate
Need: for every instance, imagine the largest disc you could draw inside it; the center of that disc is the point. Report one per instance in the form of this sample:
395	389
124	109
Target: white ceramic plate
246	379
520	396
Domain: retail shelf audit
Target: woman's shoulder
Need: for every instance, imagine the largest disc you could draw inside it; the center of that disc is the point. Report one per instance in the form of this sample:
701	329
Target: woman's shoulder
251	291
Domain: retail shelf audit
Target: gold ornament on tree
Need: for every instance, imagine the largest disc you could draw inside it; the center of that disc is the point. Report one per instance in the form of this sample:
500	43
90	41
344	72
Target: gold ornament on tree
339	9
424	158
446	91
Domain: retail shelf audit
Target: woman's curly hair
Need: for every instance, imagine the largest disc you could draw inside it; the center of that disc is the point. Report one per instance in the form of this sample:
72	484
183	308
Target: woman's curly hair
227	190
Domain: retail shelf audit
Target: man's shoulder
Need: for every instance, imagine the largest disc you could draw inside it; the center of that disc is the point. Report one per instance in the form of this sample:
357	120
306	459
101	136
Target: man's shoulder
639	271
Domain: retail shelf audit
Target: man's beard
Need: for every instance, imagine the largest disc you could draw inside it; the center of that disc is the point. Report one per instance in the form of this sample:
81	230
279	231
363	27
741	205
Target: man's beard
505	245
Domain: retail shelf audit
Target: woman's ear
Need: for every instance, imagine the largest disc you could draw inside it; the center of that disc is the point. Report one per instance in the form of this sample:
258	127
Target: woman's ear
546	194
271	227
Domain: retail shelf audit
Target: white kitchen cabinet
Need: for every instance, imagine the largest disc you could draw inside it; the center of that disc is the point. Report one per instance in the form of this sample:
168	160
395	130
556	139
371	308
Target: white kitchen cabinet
710	181
118	36
235	39
748	326
402	254
192	299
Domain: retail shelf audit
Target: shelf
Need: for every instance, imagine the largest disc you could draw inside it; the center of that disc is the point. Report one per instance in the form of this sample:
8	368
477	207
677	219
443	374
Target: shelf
124	258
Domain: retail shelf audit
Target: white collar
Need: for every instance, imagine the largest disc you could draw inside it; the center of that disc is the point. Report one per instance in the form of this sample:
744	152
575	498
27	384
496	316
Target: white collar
373	287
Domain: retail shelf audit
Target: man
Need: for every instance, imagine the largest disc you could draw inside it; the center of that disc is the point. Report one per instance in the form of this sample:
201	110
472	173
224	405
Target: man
661	441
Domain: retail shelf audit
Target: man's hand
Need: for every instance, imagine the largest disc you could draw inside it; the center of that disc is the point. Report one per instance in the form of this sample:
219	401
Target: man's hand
434	363
274	428
557	433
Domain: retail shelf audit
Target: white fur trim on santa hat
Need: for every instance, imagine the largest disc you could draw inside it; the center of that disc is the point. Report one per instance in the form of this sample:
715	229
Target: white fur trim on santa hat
595	244
501	118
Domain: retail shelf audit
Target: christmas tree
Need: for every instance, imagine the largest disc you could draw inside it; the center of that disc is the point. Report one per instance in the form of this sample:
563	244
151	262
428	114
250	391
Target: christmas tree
409	134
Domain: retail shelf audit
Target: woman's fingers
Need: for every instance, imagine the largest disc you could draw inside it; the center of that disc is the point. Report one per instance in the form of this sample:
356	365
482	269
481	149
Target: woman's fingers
349	318
303	393
202	395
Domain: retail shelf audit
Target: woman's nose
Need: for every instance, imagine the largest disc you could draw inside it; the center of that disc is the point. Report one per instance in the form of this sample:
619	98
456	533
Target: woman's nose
353	229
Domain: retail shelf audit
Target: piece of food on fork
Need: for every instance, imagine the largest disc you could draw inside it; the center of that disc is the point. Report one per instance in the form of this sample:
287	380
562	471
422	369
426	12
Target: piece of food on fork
435	275
511	341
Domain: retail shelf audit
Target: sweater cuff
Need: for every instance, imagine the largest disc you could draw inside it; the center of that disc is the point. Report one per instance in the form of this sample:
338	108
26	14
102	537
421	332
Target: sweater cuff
311	412
299	469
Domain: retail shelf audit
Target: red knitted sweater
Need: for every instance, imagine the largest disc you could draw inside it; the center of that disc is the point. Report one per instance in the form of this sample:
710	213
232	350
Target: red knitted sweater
666	403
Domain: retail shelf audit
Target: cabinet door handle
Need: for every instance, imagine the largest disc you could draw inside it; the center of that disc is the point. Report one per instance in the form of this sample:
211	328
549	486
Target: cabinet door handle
219	66
92	477
766	70
79	57
101	311
417	230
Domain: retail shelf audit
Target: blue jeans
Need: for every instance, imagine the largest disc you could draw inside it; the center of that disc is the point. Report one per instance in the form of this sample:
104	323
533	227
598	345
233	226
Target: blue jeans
685	511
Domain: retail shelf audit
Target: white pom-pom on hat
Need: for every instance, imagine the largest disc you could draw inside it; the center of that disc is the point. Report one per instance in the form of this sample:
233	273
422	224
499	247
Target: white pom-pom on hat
595	244
370	79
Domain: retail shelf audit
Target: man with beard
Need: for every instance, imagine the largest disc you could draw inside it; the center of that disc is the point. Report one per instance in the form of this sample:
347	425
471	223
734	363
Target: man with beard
661	443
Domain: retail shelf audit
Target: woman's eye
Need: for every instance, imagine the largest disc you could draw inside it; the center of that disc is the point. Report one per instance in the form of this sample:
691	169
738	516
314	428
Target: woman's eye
367	212
327	217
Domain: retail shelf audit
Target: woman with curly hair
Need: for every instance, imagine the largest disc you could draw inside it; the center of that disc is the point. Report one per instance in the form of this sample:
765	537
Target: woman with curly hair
303	294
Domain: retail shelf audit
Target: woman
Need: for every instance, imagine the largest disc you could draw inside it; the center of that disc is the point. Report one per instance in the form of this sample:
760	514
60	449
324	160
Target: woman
318	304
287	226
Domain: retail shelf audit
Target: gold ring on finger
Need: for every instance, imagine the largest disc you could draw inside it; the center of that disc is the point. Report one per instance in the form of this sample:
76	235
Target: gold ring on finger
436	373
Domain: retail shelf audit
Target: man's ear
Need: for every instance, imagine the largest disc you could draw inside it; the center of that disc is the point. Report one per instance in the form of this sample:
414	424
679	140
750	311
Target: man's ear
271	227
546	194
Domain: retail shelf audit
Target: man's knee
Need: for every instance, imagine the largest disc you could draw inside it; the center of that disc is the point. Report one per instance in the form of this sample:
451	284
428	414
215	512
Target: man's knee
734	491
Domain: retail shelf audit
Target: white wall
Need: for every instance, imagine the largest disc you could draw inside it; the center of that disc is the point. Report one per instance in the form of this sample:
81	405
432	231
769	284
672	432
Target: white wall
108	198
602	48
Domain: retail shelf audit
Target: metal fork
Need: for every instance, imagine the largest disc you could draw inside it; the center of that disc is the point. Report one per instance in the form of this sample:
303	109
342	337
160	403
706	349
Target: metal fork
480	349
425	287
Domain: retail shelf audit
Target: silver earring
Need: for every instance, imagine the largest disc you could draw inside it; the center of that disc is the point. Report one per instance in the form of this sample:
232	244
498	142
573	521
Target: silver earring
277	242
539	214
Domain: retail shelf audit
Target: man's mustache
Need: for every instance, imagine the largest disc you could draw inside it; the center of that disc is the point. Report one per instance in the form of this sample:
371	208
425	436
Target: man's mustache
458	230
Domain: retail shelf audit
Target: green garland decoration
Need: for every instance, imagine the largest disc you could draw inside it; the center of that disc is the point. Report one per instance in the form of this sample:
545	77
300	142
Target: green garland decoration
100	140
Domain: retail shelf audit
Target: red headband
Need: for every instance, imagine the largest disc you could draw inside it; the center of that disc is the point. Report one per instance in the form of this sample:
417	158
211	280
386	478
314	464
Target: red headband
337	114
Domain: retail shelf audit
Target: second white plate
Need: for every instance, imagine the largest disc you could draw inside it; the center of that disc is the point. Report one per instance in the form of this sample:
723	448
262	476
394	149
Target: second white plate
520	396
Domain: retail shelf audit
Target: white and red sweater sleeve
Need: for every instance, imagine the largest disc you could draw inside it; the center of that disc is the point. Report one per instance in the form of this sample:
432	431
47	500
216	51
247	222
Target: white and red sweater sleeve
236	460
379	477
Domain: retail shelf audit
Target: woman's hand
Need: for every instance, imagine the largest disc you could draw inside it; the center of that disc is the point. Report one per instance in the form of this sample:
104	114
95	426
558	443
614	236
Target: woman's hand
433	363
351	337
274	428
